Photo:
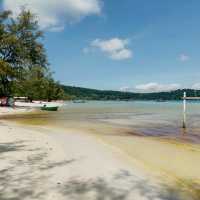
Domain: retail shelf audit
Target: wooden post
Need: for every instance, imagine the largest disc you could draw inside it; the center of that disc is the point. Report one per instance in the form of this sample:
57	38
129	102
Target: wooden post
184	110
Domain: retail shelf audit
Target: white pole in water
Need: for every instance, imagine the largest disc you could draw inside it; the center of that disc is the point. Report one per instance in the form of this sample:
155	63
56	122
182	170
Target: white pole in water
184	110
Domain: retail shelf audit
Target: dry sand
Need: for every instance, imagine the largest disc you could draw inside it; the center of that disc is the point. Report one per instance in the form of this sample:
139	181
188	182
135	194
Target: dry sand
11	111
47	164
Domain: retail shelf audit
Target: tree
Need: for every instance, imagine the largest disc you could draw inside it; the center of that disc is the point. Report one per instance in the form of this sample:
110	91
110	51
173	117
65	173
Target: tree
6	71
38	84
23	61
19	47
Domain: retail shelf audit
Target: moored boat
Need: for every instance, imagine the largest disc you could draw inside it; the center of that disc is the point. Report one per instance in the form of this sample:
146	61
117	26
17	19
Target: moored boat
79	101
49	108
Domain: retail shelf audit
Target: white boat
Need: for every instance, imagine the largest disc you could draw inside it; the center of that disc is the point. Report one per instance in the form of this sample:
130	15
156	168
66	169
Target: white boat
38	104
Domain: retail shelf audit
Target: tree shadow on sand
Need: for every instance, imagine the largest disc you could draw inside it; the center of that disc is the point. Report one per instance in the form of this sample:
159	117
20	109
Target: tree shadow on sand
11	146
24	178
122	186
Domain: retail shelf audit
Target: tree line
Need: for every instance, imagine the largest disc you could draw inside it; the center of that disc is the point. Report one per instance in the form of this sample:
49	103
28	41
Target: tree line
24	67
92	94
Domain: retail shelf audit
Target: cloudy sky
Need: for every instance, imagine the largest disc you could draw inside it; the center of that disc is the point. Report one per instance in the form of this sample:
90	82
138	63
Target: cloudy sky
131	45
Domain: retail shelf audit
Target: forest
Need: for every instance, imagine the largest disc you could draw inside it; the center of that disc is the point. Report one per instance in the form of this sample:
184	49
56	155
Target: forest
92	94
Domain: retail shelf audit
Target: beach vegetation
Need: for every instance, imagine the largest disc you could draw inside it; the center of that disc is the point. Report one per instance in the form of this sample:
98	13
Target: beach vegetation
24	67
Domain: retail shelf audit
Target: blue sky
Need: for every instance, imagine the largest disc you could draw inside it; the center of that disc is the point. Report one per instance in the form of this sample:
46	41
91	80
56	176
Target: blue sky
131	44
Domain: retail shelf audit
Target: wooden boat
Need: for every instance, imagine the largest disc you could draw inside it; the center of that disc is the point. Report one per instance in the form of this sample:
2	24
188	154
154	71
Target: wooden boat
49	108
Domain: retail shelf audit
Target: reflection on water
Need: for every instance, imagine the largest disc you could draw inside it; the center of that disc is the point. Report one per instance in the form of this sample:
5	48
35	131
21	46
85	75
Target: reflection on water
161	119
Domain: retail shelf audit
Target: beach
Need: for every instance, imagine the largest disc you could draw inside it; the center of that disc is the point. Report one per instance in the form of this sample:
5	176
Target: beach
12	111
99	100
79	157
50	164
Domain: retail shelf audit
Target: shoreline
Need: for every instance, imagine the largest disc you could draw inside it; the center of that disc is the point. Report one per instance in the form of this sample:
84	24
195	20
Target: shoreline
14	111
55	164
47	164
126	154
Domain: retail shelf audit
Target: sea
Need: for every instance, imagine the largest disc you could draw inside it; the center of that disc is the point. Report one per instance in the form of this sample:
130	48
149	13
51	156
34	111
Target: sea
141	118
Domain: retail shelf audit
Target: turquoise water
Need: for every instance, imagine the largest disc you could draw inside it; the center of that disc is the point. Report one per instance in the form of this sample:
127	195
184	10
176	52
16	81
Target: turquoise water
148	118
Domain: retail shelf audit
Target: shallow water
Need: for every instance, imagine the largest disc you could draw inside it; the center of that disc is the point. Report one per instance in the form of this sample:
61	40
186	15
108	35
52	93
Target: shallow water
144	118
150	133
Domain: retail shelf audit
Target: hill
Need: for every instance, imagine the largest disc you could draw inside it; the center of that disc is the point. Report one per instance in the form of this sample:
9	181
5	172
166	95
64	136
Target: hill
93	94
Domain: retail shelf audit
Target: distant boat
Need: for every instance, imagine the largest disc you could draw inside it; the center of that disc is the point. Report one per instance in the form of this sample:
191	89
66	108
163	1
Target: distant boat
79	101
161	100
49	108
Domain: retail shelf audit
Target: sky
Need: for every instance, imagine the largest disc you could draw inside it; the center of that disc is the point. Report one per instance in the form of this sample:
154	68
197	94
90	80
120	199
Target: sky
129	45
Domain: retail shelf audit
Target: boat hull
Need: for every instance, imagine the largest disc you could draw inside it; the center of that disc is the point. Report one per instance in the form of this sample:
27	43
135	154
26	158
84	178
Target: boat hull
45	108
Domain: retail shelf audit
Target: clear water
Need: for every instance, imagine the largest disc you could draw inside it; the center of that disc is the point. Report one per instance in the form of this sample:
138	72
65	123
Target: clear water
144	118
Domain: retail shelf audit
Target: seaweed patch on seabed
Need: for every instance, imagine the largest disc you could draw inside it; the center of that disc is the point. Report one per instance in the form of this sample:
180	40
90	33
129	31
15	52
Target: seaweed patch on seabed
188	135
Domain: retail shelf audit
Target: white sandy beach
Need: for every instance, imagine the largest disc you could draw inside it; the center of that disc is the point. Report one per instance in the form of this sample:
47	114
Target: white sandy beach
9	110
47	164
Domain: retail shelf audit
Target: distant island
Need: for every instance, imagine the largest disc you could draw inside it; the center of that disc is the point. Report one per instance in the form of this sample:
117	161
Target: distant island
93	94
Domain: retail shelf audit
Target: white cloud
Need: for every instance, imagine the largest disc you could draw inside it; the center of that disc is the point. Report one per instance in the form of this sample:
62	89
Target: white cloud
196	86
126	89
183	57
156	87
115	48
54	14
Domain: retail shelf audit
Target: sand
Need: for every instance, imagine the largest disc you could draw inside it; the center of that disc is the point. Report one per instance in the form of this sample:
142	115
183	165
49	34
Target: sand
11	111
41	163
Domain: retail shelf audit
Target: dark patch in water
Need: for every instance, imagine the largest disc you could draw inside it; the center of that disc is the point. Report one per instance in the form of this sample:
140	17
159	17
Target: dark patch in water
180	134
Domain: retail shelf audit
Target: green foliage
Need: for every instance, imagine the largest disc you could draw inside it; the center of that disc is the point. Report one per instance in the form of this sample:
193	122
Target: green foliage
37	84
23	61
91	94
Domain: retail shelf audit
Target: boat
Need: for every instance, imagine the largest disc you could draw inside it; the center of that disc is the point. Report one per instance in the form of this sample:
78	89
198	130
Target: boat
160	100
79	101
49	108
